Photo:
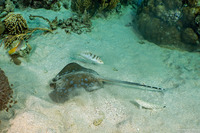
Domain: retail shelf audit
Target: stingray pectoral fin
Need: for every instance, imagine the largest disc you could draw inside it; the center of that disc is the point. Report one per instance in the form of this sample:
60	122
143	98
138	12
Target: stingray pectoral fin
89	89
94	86
58	97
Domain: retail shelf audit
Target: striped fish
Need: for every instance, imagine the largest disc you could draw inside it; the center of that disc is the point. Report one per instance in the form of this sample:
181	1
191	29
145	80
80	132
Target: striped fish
92	57
146	105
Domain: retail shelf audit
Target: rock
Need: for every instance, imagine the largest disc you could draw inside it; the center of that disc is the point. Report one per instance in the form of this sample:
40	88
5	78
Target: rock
189	36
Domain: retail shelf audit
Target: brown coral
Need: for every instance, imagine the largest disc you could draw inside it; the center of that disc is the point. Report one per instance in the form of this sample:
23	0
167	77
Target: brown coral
15	24
5	92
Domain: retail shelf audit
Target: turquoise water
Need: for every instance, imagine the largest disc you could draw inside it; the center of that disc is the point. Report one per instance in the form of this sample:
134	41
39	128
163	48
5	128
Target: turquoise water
127	56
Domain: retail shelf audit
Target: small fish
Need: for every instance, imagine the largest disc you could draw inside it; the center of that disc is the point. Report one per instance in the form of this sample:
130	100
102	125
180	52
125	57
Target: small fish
146	105
92	57
21	45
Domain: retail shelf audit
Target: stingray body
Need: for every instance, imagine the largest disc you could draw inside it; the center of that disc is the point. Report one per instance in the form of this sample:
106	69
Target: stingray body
74	76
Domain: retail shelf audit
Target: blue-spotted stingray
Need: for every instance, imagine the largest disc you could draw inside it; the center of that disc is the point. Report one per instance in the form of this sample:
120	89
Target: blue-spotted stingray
74	76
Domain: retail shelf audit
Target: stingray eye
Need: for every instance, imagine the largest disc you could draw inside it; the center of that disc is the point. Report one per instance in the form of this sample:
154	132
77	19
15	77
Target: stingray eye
54	80
53	85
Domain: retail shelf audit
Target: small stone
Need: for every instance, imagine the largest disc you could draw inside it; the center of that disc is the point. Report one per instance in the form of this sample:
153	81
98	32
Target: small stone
98	121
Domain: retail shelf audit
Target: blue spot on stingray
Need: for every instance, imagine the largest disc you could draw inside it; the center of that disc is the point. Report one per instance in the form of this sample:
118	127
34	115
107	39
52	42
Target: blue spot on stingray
86	79
60	90
75	85
81	79
91	84
82	83
70	89
86	84
71	82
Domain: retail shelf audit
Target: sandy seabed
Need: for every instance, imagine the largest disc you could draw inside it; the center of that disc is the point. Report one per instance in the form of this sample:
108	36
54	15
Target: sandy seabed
110	109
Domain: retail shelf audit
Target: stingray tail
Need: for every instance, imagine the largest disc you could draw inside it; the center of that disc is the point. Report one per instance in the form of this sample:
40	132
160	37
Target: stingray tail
132	83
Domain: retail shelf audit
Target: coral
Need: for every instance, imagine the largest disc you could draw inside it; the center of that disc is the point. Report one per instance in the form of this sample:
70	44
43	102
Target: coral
162	35
176	22
47	4
108	5
189	16
5	92
53	24
192	3
15	24
66	3
16	35
126	2
77	24
171	5
80	6
93	6
2	27
56	6
11	41
9	6
189	36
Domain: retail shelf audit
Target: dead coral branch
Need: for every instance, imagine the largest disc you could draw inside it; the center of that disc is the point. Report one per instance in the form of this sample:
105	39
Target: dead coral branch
52	24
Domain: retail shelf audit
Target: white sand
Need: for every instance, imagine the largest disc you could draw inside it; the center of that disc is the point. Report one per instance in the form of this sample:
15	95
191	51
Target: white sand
119	48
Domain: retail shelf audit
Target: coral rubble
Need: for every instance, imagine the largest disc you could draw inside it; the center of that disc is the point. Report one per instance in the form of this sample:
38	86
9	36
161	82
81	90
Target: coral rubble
170	22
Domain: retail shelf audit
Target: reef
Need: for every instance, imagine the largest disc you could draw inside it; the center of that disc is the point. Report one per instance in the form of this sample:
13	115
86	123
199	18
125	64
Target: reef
93	6
47	4
6	6
76	23
170	23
